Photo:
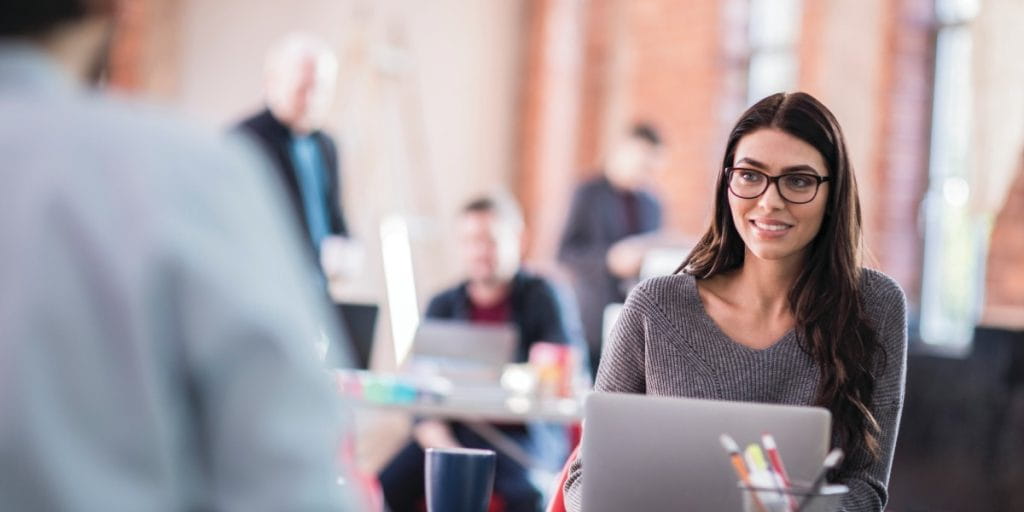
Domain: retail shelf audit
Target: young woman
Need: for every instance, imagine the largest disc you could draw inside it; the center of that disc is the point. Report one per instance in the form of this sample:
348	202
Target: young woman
773	304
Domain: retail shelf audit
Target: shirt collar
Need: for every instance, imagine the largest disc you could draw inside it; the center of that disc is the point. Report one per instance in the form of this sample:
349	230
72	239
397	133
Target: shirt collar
514	290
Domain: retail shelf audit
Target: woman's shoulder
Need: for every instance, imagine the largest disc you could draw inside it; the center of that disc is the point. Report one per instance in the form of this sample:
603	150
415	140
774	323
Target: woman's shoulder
671	292
879	288
886	306
667	284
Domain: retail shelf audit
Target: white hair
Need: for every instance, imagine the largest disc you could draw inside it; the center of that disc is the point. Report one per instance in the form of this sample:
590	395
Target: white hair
286	70
291	48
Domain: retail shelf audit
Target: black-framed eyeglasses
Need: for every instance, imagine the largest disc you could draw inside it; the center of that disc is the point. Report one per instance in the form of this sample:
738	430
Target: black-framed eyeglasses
795	187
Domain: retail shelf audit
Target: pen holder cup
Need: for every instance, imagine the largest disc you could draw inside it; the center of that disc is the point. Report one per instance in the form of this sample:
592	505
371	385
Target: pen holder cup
797	498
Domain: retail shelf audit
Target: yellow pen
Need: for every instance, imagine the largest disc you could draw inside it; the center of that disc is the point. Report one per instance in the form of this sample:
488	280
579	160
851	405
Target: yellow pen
755	458
758	464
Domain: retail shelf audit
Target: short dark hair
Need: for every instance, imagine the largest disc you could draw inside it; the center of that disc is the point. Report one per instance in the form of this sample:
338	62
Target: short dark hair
23	18
480	205
502	206
647	132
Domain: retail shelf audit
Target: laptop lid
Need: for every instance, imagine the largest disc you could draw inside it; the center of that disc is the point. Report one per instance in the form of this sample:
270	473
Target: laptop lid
463	351
653	453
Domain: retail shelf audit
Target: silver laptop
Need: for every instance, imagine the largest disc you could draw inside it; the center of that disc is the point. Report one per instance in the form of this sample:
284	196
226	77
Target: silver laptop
466	353
656	454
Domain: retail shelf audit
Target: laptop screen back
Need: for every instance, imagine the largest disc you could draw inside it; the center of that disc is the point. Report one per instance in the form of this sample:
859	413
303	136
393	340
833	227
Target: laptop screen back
656	454
463	352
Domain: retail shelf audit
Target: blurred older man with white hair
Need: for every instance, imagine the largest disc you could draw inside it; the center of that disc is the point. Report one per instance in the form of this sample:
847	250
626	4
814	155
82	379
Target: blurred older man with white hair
301	71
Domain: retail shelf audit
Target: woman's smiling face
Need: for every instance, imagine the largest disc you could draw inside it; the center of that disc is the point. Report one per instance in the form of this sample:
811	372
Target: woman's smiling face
771	227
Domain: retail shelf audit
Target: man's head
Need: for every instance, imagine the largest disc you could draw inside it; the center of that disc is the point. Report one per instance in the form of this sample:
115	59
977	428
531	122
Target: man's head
634	157
74	32
490	239
301	72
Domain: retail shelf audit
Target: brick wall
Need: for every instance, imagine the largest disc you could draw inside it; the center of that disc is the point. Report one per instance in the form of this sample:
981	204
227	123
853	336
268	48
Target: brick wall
681	65
677	65
871	63
1004	280
602	27
900	165
674	76
658	60
997	188
549	124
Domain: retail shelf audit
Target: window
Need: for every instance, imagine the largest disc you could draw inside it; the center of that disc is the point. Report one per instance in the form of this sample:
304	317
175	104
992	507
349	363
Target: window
774	31
955	241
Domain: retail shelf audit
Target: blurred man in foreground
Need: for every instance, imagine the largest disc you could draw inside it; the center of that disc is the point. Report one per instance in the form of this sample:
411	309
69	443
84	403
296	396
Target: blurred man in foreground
496	291
156	313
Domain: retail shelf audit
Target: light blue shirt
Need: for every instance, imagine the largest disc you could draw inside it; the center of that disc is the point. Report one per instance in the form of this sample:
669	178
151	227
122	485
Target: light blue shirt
157	319
312	178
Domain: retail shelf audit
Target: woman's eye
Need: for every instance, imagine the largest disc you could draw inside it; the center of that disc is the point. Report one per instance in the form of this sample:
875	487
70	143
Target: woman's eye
798	181
749	176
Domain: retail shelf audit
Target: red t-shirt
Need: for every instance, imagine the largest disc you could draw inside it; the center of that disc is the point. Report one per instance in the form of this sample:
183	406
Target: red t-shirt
498	313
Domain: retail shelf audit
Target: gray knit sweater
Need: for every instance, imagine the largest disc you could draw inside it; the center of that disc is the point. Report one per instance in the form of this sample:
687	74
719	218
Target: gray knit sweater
664	343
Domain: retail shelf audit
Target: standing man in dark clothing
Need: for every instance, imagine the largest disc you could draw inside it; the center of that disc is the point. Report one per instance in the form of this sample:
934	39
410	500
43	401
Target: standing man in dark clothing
301	72
605	210
496	290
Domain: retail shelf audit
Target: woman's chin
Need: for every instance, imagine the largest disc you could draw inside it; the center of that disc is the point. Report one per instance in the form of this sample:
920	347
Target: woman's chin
771	252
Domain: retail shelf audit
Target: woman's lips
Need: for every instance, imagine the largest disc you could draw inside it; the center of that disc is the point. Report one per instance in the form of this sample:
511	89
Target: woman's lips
770	228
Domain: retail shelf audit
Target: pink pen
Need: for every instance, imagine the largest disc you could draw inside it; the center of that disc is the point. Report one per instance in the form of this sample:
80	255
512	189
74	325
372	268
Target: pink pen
776	461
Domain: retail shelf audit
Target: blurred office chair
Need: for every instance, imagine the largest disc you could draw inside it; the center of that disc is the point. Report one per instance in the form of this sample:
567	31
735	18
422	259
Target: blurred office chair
608	318
557	503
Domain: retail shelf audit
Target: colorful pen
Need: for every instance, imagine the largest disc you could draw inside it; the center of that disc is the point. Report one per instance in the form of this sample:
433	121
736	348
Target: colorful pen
733	450
755	458
779	469
760	472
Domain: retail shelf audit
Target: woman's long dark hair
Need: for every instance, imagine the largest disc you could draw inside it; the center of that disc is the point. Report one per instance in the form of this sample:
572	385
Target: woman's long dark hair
825	299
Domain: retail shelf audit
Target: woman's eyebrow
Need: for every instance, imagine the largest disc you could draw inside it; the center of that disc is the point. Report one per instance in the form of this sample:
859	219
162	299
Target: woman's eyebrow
799	168
785	170
752	162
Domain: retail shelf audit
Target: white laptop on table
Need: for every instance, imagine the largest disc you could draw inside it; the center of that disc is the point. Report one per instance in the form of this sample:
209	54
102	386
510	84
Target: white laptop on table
657	454
467	354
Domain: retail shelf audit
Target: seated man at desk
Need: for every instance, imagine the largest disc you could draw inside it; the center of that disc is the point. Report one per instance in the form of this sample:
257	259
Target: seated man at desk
496	290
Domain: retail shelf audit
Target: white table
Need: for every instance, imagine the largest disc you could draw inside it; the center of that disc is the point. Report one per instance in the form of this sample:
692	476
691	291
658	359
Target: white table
510	410
480	412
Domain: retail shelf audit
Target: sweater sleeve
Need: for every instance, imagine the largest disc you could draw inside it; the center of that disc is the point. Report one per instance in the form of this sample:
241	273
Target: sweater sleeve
868	487
622	370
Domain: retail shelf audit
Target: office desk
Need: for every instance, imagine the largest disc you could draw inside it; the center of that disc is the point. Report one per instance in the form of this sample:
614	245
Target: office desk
480	409
511	410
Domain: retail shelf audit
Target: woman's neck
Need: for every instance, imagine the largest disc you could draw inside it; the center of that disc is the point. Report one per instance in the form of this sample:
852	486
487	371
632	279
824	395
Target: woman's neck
764	285
487	292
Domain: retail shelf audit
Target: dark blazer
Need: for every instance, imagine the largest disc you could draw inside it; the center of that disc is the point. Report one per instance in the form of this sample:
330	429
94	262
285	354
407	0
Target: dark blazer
597	219
536	311
275	139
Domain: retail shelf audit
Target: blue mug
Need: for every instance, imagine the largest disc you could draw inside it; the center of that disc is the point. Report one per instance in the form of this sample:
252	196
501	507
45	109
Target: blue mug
459	479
